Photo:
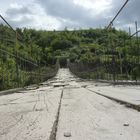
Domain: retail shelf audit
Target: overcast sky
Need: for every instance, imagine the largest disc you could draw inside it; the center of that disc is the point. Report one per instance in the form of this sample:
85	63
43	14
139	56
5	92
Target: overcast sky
73	14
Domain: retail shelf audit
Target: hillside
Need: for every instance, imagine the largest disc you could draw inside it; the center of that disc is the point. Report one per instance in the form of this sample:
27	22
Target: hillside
93	53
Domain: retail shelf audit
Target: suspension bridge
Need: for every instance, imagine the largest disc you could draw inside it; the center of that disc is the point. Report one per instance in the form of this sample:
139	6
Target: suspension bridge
52	103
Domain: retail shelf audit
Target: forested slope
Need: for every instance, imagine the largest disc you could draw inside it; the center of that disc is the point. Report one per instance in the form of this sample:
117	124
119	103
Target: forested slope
92	53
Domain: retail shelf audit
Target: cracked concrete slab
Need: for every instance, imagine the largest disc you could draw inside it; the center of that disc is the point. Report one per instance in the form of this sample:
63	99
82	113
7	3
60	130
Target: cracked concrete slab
84	115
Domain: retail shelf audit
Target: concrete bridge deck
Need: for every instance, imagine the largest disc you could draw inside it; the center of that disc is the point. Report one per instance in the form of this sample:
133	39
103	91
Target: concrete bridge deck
67	108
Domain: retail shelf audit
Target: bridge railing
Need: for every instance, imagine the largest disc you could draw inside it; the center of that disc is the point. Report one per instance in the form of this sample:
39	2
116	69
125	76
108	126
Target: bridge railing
16	71
114	64
16	68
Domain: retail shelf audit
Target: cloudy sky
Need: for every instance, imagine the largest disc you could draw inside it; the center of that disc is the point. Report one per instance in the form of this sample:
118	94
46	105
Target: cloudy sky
73	14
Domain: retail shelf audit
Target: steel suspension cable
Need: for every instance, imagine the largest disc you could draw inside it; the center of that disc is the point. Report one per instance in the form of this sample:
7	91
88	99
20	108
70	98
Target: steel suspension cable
111	22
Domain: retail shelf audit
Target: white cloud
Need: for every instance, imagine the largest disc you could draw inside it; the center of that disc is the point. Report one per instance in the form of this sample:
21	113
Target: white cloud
30	15
74	14
58	14
94	5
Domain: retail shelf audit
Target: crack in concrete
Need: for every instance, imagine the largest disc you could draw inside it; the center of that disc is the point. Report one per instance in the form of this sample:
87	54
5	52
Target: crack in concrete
127	104
55	125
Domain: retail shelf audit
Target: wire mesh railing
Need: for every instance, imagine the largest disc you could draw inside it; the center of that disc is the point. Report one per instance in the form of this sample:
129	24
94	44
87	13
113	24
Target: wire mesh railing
17	67
120	60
